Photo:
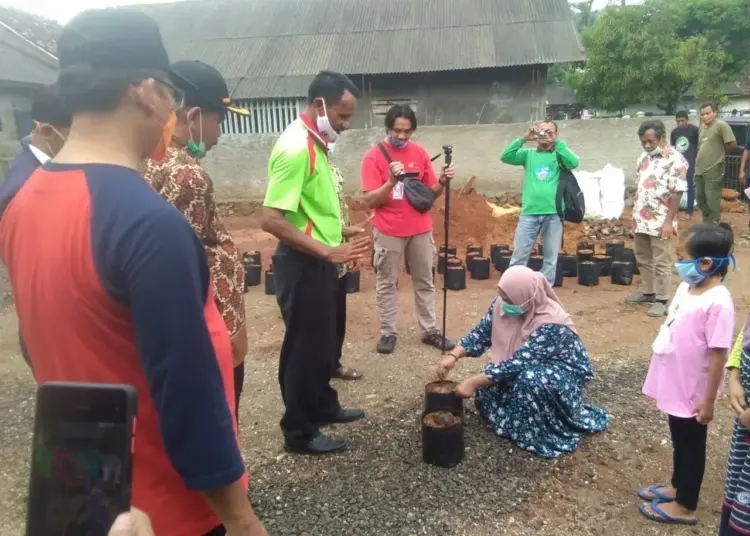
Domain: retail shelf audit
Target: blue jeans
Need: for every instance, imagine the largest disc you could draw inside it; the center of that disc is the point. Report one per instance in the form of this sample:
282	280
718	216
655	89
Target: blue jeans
690	191
528	229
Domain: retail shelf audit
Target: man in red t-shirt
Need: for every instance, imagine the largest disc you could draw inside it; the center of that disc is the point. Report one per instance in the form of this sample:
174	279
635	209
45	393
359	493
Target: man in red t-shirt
399	229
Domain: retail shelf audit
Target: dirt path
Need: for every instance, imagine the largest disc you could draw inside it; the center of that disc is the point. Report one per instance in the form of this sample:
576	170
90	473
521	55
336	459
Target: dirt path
380	486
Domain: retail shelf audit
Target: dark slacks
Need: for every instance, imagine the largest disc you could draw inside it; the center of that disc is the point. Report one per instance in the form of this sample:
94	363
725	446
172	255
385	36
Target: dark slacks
218	531
340	322
689	459
306	291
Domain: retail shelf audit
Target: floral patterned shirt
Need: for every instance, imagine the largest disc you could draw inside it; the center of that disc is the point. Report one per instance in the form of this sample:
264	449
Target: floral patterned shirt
181	180
659	177
344	210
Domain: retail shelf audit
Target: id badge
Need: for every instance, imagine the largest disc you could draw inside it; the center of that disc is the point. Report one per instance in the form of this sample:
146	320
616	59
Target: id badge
398	191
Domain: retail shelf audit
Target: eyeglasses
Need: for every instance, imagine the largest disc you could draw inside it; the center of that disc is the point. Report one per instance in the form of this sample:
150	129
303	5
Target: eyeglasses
177	95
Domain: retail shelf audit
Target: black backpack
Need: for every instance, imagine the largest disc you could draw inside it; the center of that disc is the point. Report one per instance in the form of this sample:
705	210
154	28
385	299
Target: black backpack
571	205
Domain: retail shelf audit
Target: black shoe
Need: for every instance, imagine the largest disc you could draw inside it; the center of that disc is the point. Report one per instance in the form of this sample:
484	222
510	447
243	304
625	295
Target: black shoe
387	344
320	444
435	339
344	416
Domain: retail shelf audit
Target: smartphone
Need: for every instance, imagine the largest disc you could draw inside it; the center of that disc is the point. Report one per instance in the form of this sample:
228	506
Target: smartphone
82	458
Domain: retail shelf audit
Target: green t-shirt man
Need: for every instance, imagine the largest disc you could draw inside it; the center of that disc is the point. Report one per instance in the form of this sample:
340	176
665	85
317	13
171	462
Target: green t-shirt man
301	183
541	174
712	141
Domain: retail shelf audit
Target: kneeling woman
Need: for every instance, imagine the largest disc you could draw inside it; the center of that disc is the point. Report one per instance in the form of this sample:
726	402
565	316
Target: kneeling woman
532	390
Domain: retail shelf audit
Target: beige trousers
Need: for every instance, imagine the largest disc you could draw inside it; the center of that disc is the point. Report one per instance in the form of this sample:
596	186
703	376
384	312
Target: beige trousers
419	251
654	258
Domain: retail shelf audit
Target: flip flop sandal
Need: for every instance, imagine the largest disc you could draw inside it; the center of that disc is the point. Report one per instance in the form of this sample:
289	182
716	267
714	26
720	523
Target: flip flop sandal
656	495
348	374
660	516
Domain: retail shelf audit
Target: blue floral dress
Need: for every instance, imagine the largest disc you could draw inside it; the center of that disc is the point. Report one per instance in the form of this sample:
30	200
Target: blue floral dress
536	399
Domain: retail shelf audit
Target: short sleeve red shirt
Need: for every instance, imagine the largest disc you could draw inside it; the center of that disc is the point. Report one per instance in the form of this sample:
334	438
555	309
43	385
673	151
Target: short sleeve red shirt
397	217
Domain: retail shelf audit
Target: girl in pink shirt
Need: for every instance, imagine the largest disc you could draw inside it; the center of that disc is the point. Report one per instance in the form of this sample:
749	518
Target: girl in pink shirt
687	367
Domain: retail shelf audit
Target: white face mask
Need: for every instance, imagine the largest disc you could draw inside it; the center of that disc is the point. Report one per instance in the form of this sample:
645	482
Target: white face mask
324	126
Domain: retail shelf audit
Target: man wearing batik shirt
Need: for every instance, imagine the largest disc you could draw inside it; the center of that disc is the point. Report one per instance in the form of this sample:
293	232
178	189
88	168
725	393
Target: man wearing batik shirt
662	178
181	180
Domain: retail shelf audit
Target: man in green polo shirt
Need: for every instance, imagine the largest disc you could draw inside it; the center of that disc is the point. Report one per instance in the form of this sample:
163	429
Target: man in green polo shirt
302	210
715	139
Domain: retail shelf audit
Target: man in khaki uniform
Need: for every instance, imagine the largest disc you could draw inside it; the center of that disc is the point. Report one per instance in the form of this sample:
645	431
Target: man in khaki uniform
715	139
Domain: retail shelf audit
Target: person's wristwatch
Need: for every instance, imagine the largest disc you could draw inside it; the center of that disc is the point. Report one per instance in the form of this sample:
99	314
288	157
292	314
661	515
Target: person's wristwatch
454	356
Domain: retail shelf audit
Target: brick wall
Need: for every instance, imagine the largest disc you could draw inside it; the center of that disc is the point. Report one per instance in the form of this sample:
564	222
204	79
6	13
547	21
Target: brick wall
238	164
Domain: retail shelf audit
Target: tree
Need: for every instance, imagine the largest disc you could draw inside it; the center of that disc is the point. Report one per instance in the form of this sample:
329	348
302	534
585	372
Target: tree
635	55
584	17
724	23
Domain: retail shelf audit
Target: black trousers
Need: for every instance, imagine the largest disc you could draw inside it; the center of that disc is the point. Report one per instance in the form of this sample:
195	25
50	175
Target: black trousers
218	531
306	291
340	322
239	382
689	459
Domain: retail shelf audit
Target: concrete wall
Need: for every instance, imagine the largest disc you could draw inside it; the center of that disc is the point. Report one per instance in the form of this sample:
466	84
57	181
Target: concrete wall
238	164
10	100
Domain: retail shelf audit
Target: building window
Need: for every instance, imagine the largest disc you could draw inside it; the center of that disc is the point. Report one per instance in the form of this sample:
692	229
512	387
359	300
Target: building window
266	115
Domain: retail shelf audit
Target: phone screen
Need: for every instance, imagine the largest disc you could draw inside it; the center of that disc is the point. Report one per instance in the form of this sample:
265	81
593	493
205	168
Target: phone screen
81	463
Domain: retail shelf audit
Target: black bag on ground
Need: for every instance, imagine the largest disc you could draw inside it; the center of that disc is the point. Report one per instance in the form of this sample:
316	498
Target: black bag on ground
417	193
569	200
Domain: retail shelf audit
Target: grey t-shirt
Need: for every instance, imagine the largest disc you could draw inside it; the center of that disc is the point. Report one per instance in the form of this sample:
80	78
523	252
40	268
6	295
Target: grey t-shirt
712	142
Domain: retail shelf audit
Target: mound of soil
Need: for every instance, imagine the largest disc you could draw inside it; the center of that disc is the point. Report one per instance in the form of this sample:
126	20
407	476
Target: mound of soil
441	419
443	387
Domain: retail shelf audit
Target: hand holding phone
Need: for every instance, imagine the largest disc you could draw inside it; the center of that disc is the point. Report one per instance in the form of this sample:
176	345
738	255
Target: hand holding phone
82	459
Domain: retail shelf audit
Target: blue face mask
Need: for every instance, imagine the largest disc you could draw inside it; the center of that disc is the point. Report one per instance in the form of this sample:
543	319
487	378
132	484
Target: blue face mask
397	143
692	275
512	310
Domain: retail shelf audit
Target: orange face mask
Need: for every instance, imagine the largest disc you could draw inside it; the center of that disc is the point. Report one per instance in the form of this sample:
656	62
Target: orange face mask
160	152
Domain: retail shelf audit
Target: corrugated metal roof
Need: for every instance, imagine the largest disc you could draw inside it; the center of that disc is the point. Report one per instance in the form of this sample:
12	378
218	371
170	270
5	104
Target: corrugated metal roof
22	62
40	31
275	47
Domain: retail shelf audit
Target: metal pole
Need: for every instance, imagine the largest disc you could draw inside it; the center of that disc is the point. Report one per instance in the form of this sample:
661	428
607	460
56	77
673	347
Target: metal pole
448	150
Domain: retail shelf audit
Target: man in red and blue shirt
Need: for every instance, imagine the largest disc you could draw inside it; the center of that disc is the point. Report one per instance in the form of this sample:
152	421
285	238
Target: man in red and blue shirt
112	285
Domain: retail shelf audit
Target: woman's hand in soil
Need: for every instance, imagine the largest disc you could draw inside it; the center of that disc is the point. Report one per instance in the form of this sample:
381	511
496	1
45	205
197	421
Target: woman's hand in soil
469	386
736	393
705	413
446	365
466	389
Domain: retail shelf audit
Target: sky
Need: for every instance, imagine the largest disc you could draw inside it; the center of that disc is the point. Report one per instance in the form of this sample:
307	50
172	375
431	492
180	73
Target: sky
63	10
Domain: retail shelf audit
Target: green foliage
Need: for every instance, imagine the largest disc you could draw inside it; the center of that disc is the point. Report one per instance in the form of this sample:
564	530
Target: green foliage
654	52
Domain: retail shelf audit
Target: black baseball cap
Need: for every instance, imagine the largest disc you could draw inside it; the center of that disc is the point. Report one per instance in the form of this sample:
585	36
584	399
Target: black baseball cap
203	86
109	40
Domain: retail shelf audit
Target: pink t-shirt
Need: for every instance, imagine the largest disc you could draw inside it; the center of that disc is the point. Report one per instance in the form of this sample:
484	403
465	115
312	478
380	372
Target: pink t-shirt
695	325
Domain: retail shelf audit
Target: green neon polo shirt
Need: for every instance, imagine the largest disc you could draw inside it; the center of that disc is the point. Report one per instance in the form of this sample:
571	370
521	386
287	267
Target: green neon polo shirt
301	183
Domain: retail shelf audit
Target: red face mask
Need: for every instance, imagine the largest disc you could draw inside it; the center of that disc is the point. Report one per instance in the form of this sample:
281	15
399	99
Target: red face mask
160	152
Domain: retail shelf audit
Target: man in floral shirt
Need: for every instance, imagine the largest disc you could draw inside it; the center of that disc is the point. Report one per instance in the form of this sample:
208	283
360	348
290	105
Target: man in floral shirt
181	180
662	178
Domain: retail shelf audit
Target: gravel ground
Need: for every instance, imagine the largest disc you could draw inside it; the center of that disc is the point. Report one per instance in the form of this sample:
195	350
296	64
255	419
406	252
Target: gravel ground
380	486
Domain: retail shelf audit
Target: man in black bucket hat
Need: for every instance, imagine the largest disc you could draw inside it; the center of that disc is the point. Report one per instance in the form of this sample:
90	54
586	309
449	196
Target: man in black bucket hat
112	285
181	179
